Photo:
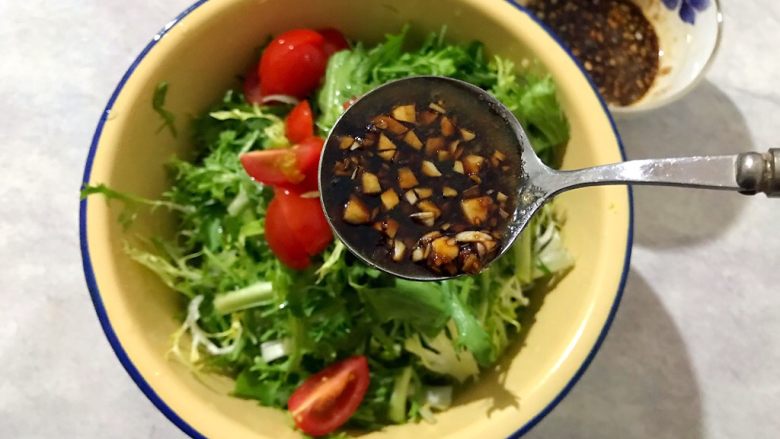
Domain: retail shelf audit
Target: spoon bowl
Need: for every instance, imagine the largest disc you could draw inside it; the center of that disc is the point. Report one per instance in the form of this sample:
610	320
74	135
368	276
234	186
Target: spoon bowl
497	127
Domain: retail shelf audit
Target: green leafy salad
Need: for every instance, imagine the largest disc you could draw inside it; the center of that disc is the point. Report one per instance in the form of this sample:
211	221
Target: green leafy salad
249	315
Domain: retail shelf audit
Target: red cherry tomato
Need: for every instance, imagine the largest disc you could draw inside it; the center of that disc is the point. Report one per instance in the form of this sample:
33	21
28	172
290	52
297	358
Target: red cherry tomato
278	235
305	220
299	125
293	168
327	399
251	86
296	228
309	162
275	167
308	153
293	64
334	40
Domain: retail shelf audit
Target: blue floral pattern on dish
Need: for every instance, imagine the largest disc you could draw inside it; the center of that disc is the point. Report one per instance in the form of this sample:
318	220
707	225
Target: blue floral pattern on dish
688	8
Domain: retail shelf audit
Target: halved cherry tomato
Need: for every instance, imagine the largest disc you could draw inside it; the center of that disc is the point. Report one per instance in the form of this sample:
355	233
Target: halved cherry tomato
334	40
293	64
275	167
327	399
290	168
305	220
251	86
278	234
299	125
296	228
309	161
308	152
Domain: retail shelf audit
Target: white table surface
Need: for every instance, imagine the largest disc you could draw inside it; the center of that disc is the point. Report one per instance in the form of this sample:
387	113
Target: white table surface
693	353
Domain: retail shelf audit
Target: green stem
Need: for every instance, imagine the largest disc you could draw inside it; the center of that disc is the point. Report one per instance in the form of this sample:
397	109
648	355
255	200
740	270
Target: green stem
296	342
254	295
471	334
400	394
239	203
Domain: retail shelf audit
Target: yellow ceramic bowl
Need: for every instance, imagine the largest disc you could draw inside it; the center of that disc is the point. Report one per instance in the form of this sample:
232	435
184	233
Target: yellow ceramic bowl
199	54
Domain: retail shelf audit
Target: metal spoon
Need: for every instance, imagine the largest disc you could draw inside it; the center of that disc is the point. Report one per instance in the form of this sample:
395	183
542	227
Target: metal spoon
748	173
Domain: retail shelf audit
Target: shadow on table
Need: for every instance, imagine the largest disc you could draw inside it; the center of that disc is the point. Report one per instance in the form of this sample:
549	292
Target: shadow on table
706	122
640	385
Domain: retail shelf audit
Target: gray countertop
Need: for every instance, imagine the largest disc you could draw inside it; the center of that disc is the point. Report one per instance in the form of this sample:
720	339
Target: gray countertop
693	353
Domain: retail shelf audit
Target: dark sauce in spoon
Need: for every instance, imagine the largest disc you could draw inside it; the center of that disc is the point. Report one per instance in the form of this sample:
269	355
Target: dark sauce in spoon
423	184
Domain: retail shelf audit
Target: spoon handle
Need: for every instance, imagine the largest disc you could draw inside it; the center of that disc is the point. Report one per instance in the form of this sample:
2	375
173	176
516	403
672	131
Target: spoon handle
749	173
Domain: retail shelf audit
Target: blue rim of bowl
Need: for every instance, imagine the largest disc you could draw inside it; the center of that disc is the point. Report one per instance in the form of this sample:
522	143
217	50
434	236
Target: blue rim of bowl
147	389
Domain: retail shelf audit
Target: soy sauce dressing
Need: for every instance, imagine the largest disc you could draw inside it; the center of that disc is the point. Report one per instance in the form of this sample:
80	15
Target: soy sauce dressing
613	39
354	151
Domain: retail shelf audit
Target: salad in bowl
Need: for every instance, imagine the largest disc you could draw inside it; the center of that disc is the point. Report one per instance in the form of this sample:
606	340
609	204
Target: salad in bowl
272	301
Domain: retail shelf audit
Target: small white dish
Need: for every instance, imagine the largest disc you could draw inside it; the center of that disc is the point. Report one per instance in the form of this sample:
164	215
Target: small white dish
689	33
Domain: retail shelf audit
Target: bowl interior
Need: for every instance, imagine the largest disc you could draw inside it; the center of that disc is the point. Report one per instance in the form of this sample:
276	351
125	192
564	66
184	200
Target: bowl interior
200	57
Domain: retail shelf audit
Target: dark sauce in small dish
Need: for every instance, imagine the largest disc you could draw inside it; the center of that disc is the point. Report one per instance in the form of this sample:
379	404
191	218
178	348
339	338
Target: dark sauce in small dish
423	184
613	39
